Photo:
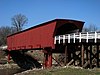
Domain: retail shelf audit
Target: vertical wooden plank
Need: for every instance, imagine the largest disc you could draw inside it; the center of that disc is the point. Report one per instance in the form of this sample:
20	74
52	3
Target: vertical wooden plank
97	55
90	56
66	55
82	55
49	59
45	60
73	47
87	54
8	58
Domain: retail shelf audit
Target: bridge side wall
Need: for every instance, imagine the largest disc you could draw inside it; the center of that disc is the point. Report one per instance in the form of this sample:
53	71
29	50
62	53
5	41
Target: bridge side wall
39	37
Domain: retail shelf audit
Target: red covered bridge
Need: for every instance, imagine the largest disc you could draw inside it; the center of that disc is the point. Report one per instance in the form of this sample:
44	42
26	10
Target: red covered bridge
41	37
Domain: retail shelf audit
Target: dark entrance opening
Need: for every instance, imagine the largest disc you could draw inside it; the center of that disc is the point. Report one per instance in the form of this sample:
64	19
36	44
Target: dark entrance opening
67	29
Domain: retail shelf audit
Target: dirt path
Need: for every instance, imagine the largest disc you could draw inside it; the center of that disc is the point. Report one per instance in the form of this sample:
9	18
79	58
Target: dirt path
9	69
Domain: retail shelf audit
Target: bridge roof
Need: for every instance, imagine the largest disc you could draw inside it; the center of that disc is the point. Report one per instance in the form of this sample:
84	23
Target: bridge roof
59	22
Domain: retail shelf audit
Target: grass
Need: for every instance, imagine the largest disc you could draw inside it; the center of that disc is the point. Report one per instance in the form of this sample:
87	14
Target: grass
65	71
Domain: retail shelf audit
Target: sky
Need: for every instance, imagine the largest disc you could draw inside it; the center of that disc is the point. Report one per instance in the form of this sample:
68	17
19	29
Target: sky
40	11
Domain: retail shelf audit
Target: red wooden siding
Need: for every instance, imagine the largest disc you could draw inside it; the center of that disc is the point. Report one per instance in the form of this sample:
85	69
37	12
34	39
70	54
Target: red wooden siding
33	38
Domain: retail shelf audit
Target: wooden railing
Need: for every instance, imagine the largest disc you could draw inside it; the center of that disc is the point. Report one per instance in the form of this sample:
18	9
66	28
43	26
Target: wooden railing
77	36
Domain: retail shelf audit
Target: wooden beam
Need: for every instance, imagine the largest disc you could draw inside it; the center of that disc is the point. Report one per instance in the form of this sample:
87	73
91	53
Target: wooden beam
82	55
56	61
90	56
8	58
70	62
66	55
87	53
97	55
45	60
85	65
50	59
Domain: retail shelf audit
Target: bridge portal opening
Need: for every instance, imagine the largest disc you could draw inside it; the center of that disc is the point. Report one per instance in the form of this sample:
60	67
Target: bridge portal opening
67	29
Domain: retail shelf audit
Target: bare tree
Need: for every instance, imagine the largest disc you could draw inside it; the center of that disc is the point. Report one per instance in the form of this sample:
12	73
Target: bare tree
90	28
4	32
85	29
18	21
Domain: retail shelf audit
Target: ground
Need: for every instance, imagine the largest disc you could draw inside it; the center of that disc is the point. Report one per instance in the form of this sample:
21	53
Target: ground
12	68
63	71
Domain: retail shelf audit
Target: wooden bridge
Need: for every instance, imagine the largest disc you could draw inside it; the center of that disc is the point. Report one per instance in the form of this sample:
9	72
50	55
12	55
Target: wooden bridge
81	49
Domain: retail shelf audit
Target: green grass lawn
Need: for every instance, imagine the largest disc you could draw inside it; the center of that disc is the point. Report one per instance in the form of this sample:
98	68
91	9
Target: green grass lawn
66	71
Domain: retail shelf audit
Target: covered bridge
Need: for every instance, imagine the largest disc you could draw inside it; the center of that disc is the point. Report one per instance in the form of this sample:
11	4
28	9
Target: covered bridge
54	36
42	36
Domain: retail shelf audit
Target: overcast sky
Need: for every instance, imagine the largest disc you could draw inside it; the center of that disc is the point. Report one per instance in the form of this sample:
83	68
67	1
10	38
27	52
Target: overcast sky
39	11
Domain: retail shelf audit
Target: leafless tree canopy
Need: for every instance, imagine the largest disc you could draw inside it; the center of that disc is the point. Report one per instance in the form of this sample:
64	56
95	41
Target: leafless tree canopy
18	21
4	32
90	28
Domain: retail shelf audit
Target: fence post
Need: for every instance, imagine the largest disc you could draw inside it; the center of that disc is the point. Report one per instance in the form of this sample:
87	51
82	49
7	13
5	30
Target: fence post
68	38
63	38
59	39
74	37
87	37
80	37
95	37
55	40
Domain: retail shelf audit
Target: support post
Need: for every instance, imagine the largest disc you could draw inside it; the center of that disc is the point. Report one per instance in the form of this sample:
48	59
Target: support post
66	55
45	60
87	54
8	58
82	55
90	56
49	59
97	55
